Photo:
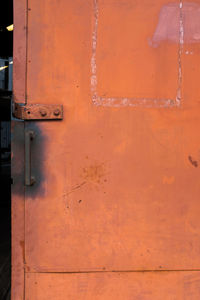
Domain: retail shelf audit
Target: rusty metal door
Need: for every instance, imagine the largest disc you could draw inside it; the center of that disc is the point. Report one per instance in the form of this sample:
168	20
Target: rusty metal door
114	211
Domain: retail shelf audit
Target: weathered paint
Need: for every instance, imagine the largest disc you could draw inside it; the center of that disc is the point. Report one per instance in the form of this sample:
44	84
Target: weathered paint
19	51
174	30
129	286
178	23
119	195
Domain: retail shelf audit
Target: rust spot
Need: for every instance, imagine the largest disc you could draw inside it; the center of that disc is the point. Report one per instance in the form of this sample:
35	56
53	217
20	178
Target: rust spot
193	162
23	249
168	179
94	173
28	269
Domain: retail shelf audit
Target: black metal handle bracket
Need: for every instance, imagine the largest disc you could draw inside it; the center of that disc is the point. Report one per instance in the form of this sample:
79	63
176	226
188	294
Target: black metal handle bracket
29	136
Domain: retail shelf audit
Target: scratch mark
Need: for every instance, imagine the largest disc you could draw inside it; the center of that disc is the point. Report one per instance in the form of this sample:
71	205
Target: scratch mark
77	187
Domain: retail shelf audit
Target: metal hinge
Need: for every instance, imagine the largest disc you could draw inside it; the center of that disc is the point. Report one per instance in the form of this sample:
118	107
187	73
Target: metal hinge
38	111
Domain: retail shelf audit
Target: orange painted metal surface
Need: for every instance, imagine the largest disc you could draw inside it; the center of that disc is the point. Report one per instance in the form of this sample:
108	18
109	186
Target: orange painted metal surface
20	50
117	181
119	286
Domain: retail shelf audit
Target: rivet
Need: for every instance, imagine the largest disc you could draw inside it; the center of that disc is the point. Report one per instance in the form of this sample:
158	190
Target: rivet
43	112
56	112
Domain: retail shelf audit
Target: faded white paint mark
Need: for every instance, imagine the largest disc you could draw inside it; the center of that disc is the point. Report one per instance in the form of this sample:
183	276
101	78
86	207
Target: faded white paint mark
94	48
189	52
178	23
181	23
169	24
134	102
181	42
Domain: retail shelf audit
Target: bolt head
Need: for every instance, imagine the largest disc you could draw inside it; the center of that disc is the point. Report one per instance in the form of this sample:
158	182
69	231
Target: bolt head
56	112
43	113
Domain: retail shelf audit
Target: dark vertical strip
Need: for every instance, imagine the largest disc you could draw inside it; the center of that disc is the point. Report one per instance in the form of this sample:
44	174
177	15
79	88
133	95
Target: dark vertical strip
0	152
26	67
6	75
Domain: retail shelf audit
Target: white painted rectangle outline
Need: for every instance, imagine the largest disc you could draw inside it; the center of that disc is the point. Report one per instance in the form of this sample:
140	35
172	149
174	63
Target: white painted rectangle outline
133	102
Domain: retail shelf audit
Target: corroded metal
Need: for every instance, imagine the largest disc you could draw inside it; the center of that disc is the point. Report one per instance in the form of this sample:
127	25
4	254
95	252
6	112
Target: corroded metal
117	183
38	111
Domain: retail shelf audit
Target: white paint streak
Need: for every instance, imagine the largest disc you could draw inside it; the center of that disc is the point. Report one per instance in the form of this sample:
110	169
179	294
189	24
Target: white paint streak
124	101
181	42
134	102
181	24
177	23
94	48
188	52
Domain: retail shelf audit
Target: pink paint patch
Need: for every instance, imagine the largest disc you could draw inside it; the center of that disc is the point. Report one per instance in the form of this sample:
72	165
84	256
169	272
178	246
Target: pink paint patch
178	23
